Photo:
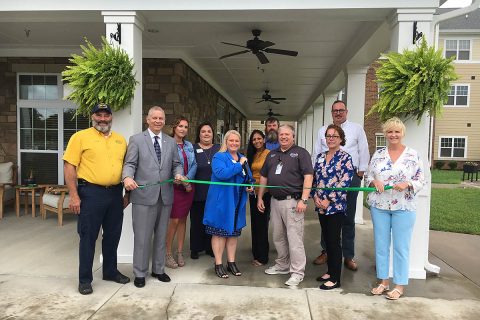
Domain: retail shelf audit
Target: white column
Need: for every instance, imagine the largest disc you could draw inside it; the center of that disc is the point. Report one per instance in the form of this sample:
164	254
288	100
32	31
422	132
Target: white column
317	124
301	133
329	98
417	137
128	121
355	87
309	132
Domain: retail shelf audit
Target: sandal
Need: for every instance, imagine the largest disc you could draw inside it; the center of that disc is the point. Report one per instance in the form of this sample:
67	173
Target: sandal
232	267
395	294
180	259
170	262
379	290
220	271
323	278
256	263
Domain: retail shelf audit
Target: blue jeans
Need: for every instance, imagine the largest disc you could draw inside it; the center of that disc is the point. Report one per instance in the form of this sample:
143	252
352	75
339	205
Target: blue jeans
348	228
396	225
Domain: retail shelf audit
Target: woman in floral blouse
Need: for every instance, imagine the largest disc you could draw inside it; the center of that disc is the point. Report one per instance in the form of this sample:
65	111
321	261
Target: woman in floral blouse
333	169
393	211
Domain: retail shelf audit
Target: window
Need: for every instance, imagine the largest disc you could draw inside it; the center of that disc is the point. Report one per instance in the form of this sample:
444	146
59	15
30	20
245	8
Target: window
453	147
380	141
45	124
458	48
458	95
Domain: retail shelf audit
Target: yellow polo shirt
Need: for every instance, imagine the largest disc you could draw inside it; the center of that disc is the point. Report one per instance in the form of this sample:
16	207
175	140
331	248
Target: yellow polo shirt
98	159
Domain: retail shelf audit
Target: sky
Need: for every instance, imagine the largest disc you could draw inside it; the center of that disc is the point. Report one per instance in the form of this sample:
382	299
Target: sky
456	3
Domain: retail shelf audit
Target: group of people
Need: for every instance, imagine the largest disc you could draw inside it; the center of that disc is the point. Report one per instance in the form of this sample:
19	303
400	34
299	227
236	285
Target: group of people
276	176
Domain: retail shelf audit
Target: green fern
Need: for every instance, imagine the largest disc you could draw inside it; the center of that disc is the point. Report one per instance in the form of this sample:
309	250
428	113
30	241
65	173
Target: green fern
100	75
413	83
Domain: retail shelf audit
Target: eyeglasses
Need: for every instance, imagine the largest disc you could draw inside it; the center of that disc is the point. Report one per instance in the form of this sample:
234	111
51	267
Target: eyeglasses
339	111
331	137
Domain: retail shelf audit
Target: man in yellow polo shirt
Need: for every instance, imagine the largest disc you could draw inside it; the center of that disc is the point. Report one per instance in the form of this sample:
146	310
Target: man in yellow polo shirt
93	165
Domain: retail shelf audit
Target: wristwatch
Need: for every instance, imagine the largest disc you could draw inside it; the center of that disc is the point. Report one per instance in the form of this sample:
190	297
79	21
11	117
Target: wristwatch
305	201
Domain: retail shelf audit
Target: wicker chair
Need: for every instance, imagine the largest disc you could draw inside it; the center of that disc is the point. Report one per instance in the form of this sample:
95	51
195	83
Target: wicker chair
55	199
8	181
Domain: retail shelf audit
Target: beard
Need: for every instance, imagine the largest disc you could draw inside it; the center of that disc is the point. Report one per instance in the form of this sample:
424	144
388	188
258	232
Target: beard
272	136
107	125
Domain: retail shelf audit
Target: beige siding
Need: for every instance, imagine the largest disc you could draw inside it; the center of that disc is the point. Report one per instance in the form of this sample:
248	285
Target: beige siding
455	120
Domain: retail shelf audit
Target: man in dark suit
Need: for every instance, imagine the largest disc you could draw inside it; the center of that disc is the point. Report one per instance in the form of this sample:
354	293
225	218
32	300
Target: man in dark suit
151	158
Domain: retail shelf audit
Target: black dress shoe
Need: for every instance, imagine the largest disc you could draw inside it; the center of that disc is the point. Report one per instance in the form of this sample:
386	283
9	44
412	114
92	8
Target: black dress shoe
194	255
325	287
161	277
118	278
139	282
85	288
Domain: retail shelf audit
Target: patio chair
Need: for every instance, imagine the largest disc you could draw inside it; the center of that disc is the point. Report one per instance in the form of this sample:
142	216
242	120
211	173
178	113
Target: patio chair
55	199
8	181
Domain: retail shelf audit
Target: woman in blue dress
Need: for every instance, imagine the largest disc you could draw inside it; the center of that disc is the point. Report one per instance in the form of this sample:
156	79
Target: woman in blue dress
225	207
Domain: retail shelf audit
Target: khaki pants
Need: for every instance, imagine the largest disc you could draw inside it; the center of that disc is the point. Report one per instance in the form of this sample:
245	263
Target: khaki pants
288	226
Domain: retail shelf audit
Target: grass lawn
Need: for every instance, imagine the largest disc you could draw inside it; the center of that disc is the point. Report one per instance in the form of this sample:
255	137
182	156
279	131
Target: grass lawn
455	210
446	176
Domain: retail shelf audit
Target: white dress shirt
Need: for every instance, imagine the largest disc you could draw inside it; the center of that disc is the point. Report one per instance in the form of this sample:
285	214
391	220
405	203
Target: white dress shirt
153	135
356	144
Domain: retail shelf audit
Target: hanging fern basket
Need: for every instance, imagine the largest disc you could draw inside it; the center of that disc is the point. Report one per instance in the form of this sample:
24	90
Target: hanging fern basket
102	75
413	83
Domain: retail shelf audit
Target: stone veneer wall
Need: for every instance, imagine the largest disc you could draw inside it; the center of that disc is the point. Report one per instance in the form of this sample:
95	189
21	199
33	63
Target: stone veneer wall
8	97
176	87
372	123
167	82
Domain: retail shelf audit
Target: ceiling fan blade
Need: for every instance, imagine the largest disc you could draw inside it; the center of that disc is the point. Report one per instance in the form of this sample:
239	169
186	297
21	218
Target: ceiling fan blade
276	102
278	98
265	44
233	44
262	58
280	51
259	101
234	54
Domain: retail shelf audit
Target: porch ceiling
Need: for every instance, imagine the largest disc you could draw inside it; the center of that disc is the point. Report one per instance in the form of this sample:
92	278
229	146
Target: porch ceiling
325	39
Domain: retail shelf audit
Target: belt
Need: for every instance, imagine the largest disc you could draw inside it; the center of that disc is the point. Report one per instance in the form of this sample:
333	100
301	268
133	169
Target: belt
295	196
83	182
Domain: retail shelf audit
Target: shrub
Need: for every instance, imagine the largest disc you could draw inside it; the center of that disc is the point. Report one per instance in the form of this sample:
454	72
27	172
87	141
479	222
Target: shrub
100	75
439	165
452	165
413	83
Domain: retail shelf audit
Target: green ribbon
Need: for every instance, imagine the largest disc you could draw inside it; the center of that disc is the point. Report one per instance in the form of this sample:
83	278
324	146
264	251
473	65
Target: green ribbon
218	183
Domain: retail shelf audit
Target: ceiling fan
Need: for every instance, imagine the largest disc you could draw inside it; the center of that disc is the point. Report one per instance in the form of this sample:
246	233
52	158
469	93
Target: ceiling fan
258	47
266	97
270	113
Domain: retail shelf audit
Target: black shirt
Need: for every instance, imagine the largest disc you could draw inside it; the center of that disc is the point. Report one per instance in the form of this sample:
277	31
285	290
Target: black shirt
296	163
204	169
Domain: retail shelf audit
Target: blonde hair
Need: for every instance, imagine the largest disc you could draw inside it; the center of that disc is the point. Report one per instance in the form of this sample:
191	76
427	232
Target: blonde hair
393	123
223	148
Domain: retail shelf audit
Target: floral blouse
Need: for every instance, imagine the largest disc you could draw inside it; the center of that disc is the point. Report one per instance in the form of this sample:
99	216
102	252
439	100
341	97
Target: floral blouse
337	173
407	168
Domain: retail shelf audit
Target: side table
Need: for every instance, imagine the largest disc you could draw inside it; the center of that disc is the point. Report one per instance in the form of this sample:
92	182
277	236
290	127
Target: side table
25	190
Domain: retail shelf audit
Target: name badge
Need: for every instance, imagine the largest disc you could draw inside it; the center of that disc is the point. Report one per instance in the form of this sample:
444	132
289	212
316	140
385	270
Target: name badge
199	150
278	170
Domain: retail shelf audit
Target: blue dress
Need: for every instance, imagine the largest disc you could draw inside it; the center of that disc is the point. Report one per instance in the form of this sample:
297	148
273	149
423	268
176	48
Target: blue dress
221	215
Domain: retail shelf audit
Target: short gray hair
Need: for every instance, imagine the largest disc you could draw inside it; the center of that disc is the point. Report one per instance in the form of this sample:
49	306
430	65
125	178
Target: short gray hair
289	126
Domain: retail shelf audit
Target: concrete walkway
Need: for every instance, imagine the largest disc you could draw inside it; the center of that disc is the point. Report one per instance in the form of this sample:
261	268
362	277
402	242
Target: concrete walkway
39	264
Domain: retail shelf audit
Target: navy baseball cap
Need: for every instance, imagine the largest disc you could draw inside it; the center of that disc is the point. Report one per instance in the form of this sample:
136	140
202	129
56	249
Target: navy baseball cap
101	107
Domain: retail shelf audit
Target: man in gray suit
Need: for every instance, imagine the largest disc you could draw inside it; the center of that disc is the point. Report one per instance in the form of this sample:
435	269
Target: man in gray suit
152	157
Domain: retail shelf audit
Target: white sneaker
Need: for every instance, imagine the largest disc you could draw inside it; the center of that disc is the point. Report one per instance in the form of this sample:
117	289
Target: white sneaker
275	270
294	280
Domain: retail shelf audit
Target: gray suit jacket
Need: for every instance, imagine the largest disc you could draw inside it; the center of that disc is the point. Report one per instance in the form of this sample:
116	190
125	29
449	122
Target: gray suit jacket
141	164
